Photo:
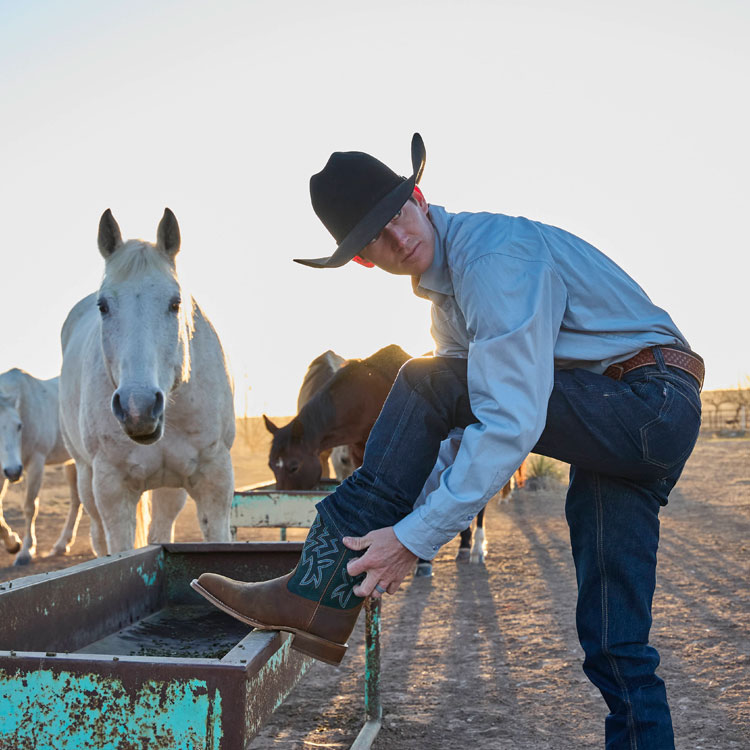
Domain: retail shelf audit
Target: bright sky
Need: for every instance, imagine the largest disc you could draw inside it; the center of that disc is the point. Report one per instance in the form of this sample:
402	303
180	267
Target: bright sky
625	123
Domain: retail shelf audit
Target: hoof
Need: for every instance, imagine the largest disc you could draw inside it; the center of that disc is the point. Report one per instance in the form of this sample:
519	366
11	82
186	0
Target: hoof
22	559
424	570
477	559
58	551
14	547
464	553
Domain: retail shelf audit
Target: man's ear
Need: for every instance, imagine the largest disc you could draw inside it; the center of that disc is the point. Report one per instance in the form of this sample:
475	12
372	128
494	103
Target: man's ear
420	199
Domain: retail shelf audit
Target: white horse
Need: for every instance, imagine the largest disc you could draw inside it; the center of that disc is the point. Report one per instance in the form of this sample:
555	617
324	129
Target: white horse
343	462
145	396
30	439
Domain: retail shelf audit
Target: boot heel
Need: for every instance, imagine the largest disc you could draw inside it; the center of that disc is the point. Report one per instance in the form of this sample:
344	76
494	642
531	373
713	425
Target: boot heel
319	648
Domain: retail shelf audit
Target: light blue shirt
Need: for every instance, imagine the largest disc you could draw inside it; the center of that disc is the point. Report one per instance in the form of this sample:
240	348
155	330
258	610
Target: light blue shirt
519	299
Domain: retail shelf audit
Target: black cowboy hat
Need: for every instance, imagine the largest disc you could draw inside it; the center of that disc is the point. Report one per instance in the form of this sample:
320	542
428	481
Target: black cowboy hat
355	196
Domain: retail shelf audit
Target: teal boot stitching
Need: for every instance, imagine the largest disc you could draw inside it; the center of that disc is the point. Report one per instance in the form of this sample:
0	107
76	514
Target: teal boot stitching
321	574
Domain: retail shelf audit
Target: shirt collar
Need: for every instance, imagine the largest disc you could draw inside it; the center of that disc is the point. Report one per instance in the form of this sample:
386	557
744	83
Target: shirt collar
437	277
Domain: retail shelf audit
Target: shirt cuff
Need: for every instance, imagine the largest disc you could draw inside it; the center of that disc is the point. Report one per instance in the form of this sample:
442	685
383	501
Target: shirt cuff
419	537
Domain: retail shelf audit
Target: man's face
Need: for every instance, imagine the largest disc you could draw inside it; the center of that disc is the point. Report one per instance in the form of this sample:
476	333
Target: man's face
406	245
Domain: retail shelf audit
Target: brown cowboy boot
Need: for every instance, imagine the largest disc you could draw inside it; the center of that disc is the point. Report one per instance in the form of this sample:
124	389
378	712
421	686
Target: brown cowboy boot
315	601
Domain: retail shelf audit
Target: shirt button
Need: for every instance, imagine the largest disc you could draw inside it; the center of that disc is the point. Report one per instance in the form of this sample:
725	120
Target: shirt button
469	518
435	548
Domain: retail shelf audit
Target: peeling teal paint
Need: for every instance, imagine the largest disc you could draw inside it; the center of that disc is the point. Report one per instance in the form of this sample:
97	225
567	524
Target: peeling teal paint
149	579
84	598
275	665
215	721
45	710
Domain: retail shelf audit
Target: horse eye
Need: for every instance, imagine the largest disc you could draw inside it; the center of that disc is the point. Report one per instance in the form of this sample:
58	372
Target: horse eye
101	303
174	305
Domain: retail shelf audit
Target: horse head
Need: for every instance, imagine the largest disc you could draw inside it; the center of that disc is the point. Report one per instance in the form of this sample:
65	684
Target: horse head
145	325
294	462
11	429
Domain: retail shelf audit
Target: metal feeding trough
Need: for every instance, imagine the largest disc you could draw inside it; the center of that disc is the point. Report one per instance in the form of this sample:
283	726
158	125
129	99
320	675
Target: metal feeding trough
262	505
119	653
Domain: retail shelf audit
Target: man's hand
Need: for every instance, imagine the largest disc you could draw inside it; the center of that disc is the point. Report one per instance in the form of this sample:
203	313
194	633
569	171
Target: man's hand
387	562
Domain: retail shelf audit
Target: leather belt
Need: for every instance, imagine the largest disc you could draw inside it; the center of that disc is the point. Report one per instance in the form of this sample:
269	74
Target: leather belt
687	361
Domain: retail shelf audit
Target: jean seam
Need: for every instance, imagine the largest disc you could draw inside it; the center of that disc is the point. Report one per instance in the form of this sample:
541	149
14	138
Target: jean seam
408	408
666	403
604	588
678	392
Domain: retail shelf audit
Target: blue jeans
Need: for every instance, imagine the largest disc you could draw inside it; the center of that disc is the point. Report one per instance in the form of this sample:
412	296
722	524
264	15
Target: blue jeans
626	441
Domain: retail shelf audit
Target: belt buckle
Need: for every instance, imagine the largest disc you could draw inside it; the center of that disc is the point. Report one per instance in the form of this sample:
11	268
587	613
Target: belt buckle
619	371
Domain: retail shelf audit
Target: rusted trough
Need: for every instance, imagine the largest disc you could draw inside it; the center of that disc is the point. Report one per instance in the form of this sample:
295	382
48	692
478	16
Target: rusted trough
119	653
262	505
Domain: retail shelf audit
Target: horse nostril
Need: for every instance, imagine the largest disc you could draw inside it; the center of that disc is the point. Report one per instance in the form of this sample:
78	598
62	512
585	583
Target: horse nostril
293	468
13	472
158	408
117	409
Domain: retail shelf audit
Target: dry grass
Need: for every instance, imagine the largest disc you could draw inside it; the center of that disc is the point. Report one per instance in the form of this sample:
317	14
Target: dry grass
543	473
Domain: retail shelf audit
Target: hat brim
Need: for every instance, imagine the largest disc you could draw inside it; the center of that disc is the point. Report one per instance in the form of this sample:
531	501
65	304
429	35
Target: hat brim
374	220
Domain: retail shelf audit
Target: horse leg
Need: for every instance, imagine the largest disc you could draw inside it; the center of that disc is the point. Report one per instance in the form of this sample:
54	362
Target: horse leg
464	547
341	458
84	482
11	540
479	548
423	569
520	475
68	534
506	491
142	520
325	467
166	504
117	507
213	494
34	473
517	480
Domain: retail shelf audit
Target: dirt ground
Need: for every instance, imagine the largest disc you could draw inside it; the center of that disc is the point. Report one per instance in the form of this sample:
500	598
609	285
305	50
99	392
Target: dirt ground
487	656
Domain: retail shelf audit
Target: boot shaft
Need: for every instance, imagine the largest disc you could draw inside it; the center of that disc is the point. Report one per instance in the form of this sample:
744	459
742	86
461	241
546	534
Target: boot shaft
321	574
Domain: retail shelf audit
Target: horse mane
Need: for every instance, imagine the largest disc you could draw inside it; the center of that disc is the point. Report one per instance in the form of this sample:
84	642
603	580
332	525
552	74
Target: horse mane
315	416
137	258
319	372
386	362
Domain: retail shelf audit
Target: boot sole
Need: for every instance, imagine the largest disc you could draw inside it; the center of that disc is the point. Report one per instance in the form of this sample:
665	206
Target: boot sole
311	645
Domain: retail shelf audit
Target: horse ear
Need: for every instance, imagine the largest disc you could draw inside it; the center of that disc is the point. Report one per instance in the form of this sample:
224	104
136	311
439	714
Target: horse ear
270	426
168	234
110	237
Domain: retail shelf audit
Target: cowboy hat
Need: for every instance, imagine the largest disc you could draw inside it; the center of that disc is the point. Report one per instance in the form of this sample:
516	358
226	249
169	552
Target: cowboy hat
355	196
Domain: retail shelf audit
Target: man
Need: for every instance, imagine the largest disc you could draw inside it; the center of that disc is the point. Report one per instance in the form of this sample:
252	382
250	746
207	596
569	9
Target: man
543	344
